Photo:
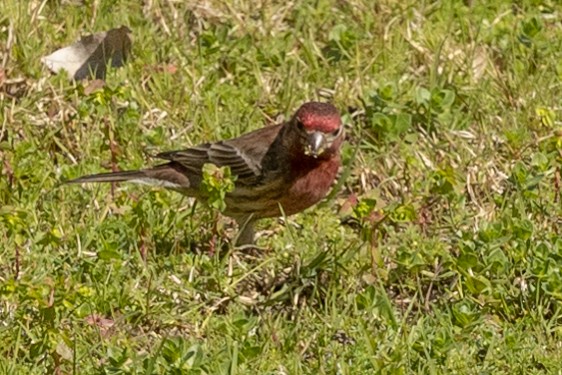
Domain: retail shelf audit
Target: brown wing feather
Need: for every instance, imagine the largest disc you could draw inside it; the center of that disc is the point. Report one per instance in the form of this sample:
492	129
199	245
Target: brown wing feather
243	155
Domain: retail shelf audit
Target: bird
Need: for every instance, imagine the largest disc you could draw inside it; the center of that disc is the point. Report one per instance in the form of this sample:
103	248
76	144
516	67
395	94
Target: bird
279	170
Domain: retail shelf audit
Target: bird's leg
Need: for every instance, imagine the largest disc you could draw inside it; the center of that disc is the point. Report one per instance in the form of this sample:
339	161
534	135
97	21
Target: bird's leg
246	231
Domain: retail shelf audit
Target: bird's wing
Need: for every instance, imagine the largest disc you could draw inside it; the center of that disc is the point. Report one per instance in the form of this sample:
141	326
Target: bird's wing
244	155
221	154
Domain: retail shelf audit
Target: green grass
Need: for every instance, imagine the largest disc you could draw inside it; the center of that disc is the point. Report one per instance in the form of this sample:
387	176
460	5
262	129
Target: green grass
448	263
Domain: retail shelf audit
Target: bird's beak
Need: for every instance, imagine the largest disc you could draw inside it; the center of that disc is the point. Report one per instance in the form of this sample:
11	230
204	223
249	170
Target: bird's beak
316	143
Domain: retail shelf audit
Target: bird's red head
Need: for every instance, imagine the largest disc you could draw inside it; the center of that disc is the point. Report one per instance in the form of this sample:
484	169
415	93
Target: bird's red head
315	116
319	128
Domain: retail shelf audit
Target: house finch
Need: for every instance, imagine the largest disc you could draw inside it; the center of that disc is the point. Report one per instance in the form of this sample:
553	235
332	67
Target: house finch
279	169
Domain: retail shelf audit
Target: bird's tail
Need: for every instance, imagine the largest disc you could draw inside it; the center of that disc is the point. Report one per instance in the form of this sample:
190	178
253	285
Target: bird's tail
110	177
171	175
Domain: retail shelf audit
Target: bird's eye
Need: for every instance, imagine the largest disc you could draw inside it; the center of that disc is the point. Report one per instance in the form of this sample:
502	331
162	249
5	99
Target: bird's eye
338	131
300	125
